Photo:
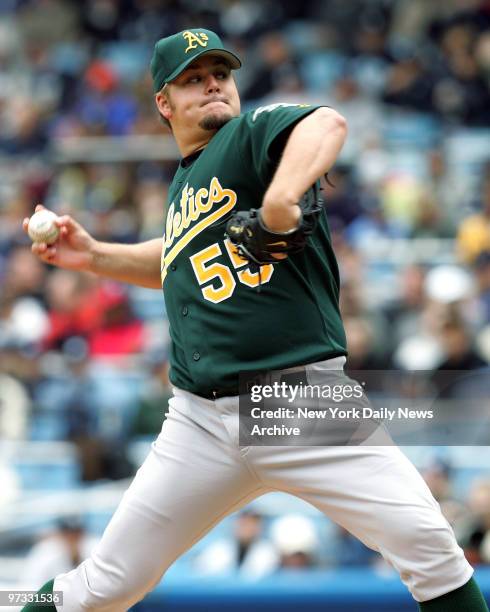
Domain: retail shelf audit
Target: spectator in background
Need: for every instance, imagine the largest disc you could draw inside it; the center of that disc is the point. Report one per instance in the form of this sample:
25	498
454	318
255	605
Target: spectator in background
438	475
153	404
429	219
481	267
83	404
342	198
102	454
457	345
404	313
15	406
410	83
474	232
276	64
371	37
360	344
372	225
473	533
458	393
366	329
79	411
102	21
362	112
23	276
450	299
148	195
444	188
248	552
23	318
73	308
59	552
348	551
19	361
103	106
297	542
100	312
461	91
120	332
23	321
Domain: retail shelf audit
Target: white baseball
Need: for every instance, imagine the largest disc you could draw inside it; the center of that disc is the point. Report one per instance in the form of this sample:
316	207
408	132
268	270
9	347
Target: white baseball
42	227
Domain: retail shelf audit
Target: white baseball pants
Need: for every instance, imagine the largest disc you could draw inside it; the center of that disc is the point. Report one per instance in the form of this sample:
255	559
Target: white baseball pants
196	474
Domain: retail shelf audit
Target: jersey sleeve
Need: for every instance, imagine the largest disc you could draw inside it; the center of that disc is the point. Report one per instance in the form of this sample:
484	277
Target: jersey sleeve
264	133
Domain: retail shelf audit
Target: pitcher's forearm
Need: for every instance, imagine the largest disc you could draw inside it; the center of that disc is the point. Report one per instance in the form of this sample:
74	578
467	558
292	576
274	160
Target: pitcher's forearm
136	264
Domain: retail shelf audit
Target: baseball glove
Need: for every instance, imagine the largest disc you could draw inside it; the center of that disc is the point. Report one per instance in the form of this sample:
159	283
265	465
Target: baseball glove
255	243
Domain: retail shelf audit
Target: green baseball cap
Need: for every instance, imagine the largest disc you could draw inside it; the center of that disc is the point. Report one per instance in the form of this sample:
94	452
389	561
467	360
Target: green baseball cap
173	54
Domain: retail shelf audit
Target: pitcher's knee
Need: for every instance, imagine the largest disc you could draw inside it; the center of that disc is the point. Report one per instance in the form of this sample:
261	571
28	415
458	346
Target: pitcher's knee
114	590
428	559
429	541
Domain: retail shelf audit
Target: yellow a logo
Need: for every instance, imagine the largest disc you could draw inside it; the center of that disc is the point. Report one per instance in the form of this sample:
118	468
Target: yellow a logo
195	39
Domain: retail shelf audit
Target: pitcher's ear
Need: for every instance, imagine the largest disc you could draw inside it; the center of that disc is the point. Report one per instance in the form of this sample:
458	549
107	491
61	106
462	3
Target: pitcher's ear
163	104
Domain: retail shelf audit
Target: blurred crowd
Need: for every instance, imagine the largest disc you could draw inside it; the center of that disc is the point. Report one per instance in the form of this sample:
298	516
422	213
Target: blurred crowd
89	75
85	360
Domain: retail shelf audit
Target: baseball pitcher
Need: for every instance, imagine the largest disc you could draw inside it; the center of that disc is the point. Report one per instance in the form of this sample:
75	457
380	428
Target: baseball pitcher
251	284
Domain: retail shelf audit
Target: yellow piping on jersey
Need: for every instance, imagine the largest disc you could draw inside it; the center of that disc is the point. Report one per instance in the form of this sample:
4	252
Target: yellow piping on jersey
191	208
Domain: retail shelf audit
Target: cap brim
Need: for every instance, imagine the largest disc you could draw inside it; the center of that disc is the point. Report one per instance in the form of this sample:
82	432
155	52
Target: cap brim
230	57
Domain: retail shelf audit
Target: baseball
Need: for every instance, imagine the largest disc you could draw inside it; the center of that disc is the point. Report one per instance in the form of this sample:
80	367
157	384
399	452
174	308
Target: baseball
42	227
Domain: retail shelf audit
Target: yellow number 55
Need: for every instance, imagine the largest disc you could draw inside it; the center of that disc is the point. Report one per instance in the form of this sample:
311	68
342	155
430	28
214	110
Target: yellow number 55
206	272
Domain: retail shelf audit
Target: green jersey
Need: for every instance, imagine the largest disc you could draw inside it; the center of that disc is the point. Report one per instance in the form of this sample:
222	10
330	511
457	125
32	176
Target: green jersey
221	322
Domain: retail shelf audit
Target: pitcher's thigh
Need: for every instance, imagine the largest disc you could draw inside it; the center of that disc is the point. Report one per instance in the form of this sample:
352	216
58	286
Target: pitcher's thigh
179	493
379	496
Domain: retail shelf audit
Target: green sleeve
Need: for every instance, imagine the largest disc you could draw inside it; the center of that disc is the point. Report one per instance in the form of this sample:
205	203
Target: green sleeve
264	134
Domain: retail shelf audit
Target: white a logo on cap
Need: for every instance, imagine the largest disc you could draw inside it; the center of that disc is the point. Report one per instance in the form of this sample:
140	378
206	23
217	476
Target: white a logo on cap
195	39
